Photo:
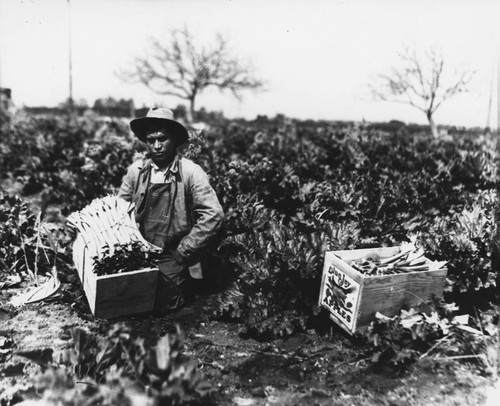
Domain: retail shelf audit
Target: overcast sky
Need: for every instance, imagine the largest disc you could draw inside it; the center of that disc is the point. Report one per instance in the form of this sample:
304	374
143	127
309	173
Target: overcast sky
317	57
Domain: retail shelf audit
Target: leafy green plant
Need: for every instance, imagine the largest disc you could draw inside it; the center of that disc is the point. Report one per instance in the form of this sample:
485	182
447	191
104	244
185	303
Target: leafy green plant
57	387
388	185
118	370
279	269
125	258
436	332
17	221
18	236
464	239
29	246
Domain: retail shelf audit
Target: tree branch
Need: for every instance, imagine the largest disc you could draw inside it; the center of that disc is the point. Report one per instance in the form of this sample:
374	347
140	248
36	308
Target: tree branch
421	82
180	67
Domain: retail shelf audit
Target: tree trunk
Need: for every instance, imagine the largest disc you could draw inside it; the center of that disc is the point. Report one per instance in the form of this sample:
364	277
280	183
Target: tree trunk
190	112
432	125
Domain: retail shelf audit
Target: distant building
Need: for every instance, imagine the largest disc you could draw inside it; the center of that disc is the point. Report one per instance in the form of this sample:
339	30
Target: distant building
6	92
6	99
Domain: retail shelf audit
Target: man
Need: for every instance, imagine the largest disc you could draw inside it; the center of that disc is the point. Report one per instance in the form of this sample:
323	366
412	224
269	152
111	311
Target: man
175	206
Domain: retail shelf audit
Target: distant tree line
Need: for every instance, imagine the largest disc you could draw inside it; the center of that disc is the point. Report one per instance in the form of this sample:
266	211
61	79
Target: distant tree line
124	108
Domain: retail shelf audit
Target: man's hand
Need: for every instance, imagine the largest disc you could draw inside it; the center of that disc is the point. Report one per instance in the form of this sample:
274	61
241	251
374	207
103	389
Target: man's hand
178	258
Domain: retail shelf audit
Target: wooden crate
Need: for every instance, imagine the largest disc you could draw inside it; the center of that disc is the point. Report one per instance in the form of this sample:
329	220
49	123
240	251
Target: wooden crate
116	295
359	297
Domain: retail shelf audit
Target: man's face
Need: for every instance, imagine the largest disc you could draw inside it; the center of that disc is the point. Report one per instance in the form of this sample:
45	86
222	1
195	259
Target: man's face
161	146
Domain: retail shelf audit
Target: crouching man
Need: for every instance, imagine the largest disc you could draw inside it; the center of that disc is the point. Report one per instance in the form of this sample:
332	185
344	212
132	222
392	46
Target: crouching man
175	206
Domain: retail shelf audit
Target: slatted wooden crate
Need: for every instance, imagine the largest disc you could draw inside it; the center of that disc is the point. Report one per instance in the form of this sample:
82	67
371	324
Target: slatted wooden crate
111	296
357	297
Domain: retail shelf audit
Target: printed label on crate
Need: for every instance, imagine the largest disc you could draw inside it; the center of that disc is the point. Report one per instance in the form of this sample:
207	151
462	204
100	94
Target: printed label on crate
340	296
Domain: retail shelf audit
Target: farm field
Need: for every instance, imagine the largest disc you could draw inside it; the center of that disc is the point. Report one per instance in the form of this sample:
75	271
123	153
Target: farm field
254	334
303	369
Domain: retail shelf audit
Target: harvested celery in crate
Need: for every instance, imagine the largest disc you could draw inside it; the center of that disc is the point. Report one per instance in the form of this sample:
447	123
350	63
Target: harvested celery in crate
356	284
114	262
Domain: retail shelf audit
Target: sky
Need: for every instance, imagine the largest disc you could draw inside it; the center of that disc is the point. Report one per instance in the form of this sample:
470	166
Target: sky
318	58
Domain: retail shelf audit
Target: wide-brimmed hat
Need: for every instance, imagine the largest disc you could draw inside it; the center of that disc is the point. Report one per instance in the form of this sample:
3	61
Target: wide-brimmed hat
156	118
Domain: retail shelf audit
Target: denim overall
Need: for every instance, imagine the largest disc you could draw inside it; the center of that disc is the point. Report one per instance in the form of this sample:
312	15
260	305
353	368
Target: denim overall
155	222
181	214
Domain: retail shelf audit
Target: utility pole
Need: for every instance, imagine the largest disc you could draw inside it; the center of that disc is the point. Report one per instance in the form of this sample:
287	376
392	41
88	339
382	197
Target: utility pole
70	99
496	239
498	95
490	103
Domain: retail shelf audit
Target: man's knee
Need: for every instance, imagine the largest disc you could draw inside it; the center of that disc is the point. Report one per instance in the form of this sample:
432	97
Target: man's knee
170	287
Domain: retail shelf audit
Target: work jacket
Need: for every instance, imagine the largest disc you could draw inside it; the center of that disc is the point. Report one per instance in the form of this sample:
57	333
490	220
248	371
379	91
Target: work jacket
195	216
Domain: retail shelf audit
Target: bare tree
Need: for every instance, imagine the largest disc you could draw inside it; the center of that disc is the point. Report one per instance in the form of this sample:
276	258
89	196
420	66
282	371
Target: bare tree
178	66
424	82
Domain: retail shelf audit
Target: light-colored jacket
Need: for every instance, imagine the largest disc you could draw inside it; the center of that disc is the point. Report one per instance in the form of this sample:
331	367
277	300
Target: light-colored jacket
197	214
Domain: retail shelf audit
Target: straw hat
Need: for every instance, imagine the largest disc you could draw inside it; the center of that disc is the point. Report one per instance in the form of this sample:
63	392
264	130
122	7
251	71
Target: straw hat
156	119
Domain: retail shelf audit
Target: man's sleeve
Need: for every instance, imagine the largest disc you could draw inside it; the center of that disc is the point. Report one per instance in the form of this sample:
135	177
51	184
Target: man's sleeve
127	186
208	215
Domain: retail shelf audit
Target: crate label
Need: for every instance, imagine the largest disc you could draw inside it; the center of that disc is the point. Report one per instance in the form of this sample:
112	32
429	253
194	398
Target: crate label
340	296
